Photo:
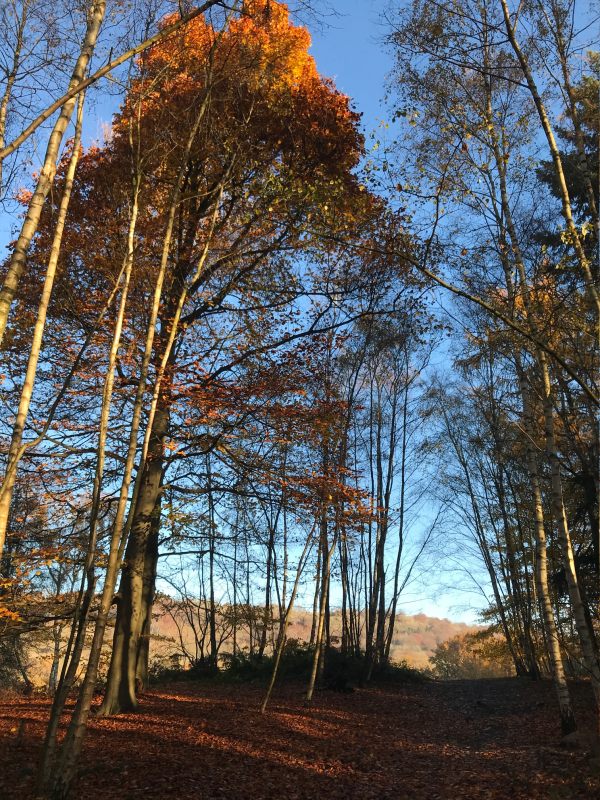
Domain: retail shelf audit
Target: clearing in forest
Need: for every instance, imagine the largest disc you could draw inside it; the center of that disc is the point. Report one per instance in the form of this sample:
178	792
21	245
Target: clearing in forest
493	739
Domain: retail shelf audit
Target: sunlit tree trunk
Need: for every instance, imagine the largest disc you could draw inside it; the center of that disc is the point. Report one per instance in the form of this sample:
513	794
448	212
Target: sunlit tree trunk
76	639
574	237
584	630
590	655
556	29
122	671
57	630
46	177
11	77
16	448
286	620
567	717
60	779
325	578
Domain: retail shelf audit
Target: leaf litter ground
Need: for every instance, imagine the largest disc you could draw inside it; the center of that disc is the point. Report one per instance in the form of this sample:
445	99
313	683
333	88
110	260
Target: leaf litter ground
454	740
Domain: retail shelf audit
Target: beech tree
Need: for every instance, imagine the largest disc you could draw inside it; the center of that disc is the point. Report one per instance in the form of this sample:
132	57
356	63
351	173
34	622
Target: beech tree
255	163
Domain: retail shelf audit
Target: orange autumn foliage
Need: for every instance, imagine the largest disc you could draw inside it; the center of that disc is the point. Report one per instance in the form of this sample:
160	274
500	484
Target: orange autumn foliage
280	138
263	89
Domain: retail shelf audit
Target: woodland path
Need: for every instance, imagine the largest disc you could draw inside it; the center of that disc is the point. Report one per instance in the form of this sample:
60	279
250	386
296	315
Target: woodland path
437	741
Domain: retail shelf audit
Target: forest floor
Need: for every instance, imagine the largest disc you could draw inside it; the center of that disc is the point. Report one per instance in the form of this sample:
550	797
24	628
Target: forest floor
453	740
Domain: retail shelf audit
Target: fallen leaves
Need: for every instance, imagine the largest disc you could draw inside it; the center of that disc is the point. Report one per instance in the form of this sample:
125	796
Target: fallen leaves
477	740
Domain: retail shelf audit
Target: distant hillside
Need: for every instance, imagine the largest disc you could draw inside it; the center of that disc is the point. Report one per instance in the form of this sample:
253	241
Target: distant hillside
415	636
173	639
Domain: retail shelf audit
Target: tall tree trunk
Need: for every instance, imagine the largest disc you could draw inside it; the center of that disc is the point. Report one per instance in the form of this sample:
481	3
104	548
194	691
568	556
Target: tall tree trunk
325	576
120	692
87	589
556	29
234	610
212	609
46	177
57	630
584	630
286	620
567	212
317	594
59	780
389	637
11	77
567	717
148	593
267	613
16	449
550	625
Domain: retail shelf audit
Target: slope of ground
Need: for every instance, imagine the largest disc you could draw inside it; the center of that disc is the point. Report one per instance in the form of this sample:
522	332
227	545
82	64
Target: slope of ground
440	740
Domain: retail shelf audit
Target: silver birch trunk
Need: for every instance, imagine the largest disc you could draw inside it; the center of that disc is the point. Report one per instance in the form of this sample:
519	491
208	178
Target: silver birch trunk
16	448
46	177
591	288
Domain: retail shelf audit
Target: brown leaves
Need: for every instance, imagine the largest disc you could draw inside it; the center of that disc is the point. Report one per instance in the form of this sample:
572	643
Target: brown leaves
469	739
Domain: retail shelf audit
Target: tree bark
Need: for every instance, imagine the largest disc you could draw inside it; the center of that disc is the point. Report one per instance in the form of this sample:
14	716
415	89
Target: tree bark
46	177
567	212
567	718
133	594
16	449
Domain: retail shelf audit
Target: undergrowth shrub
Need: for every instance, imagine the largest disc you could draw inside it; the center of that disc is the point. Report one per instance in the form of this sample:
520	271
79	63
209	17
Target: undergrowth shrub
342	672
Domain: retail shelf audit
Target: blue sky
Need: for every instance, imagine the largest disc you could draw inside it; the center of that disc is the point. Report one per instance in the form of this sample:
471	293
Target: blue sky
351	50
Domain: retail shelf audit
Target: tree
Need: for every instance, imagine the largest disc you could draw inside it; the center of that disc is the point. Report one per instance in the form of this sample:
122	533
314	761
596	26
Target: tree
253	166
476	120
